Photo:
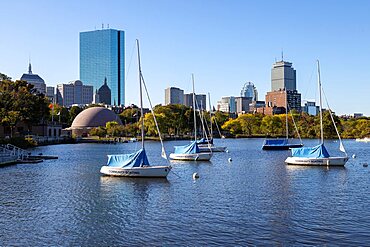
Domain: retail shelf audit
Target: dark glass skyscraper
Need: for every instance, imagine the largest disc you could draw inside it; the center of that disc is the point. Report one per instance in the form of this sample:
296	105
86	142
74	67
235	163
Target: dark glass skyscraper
102	55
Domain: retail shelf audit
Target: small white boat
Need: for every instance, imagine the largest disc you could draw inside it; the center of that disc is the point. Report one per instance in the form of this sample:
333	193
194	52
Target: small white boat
133	165
142	171
318	155
211	148
190	152
366	139
192	157
136	164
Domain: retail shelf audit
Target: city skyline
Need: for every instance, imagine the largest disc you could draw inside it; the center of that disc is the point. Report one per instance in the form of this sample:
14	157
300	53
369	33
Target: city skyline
224	44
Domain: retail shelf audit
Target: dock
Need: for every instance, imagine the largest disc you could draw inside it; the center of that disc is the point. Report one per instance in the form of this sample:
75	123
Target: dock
10	154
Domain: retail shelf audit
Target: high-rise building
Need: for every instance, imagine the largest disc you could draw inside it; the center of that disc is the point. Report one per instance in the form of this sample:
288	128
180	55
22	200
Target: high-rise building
242	104
35	80
283	90
227	104
249	91
283	76
173	95
102	55
276	101
74	93
50	93
200	101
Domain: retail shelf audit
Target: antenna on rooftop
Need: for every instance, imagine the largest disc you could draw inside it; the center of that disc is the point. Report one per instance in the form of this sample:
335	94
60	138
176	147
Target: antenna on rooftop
282	55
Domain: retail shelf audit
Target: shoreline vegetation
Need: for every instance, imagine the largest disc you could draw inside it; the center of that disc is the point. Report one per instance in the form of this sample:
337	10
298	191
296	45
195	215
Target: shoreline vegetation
21	104
175	122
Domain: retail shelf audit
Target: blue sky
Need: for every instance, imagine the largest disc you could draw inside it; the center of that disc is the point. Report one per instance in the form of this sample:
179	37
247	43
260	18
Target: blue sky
225	43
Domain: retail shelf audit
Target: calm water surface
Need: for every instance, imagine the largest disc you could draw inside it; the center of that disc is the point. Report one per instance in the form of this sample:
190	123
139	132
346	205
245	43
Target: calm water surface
254	200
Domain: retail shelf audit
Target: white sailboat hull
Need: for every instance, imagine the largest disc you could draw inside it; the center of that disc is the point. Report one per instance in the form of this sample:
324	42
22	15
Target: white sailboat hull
366	139
331	161
192	157
206	148
146	171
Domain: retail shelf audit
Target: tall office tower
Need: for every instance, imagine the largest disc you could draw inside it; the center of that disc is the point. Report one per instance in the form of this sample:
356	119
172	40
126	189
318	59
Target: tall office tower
283	76
50	93
249	91
200	101
102	55
35	80
173	95
242	104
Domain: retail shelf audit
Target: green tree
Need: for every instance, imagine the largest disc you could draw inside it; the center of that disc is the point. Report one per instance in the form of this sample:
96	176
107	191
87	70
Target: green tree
130	115
20	102
99	131
328	126
4	77
271	125
248	122
73	112
233	125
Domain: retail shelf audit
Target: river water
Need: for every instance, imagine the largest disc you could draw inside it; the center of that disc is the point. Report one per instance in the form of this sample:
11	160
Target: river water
253	200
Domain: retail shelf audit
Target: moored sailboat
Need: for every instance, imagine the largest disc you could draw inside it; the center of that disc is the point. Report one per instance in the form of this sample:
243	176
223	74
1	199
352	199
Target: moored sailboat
206	144
283	144
191	152
136	164
318	155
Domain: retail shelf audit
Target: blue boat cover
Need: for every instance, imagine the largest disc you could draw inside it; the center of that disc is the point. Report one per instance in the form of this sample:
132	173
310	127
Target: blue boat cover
136	159
191	148
204	141
318	151
275	142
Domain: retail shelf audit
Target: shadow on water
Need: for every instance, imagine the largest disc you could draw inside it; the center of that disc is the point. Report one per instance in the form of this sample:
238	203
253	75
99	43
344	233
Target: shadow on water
185	162
114	181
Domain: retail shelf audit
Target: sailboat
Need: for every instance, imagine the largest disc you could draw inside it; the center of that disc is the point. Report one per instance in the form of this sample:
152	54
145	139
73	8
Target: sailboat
206	144
191	152
318	155
136	164
283	144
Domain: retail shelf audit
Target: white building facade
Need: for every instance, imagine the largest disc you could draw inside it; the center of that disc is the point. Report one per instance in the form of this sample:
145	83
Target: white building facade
74	93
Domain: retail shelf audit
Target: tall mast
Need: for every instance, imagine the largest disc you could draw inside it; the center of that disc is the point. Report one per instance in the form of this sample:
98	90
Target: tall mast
320	102
141	96
210	114
286	114
195	119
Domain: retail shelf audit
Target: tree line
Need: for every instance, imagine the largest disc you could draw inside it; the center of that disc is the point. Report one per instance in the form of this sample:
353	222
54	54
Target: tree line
20	102
177	121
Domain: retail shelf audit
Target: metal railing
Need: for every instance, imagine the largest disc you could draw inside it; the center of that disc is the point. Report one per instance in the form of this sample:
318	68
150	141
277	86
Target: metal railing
10	151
